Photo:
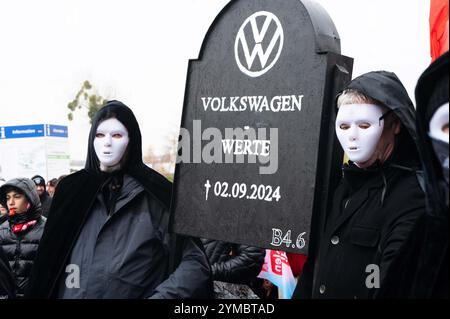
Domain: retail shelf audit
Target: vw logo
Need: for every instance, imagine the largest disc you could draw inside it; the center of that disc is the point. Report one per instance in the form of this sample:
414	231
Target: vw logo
262	32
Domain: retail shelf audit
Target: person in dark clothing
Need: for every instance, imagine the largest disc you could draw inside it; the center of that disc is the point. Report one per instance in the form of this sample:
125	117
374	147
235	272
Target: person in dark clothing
112	224
3	214
46	200
21	233
51	185
7	284
421	269
234	263
379	197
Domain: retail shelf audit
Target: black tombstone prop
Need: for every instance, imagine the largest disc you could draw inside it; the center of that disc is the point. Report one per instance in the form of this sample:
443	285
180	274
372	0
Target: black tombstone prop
261	95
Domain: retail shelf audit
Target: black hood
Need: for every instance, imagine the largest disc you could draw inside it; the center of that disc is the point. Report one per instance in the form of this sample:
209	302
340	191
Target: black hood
26	186
122	113
386	88
75	194
435	77
134	165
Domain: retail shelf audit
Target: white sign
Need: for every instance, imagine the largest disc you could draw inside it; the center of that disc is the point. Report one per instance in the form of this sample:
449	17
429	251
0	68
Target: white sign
28	150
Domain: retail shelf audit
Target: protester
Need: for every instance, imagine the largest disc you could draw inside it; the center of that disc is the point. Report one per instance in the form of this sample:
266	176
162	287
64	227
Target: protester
109	222
421	269
51	184
3	214
234	268
7	285
21	233
379	196
46	200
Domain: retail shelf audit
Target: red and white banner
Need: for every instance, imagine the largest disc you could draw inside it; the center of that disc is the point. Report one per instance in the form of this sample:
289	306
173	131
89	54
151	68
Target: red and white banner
277	270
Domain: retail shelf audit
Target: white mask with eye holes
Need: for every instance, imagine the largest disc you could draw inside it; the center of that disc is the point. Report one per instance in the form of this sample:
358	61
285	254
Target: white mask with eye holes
439	124
440	137
110	143
359	128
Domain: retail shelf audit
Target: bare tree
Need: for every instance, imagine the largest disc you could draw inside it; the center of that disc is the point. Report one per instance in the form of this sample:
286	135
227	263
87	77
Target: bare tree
164	162
87	98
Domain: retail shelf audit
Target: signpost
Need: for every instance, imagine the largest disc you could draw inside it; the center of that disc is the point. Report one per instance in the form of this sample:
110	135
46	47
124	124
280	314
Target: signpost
28	150
258	152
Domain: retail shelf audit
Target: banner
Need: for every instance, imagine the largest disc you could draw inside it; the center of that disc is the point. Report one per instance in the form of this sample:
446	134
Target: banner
438	28
277	270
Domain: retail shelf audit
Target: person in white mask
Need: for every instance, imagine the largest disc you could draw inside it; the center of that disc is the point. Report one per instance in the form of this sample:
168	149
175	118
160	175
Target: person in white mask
379	196
110	143
363	132
112	224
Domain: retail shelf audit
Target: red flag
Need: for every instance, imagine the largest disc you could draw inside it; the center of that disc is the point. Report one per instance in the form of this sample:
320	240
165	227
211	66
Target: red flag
438	28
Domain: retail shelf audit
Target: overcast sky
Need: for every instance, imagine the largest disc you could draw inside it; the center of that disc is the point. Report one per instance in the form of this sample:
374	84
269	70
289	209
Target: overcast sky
138	51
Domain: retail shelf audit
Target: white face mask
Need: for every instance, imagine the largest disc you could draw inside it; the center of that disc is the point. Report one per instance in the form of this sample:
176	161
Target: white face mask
359	128
438	122
110	143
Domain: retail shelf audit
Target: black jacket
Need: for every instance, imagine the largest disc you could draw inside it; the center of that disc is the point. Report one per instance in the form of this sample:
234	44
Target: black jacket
46	202
3	219
421	269
234	263
21	248
187	274
373	209
7	285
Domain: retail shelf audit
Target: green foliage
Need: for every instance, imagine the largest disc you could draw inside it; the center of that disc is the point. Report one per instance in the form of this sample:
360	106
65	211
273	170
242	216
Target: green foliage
87	98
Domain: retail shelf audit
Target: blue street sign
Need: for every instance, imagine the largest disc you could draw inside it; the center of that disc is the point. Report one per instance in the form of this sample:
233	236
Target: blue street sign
30	131
56	130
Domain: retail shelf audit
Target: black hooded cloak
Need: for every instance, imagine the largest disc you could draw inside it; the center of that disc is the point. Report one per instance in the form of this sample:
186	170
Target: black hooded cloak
421	269
373	209
76	194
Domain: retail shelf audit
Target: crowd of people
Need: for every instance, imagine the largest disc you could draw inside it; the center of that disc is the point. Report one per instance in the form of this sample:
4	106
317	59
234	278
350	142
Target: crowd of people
104	231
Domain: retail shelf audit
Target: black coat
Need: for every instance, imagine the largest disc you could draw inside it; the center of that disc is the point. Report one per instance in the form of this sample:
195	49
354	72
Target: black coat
46	202
421	269
363	229
21	250
7	285
373	210
72	205
234	263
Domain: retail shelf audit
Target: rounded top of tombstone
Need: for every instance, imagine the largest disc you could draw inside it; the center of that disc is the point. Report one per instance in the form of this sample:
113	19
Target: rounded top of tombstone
326	36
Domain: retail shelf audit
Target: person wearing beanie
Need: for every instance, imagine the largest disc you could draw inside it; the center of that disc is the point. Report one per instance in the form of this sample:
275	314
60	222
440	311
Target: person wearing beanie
108	234
422	268
21	233
44	197
379	196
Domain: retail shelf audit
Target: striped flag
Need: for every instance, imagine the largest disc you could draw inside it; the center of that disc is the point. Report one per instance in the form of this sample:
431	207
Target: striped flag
277	270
